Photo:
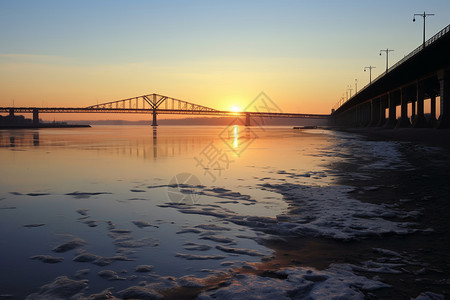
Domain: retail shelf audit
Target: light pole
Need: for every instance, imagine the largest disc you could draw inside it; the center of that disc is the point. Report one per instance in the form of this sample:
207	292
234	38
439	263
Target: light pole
356	86
349	88
370	72
424	15
387	57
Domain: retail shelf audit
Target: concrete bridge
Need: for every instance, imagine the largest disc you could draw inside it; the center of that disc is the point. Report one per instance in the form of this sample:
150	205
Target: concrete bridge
155	104
422	74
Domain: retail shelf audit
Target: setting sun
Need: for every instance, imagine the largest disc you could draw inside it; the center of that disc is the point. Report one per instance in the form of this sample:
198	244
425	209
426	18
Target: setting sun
235	108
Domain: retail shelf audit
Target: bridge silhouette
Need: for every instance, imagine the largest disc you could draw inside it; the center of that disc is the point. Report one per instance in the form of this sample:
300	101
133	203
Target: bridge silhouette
155	104
422	74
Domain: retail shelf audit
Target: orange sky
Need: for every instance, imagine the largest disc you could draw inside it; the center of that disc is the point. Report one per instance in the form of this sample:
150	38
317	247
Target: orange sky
304	55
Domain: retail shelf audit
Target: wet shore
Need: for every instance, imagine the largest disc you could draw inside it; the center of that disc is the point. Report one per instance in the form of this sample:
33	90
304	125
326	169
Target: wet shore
426	136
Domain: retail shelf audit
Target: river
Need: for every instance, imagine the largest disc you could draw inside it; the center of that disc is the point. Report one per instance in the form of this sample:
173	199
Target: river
220	212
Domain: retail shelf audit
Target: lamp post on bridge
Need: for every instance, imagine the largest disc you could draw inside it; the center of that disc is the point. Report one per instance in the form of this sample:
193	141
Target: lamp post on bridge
349	88
356	86
370	72
424	15
387	57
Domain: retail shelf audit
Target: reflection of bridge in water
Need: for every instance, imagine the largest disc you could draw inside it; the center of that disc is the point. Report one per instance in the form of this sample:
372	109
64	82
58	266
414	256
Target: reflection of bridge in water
149	146
157	104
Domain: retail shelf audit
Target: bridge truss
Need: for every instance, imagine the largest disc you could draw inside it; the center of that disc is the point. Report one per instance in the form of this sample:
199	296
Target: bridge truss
153	104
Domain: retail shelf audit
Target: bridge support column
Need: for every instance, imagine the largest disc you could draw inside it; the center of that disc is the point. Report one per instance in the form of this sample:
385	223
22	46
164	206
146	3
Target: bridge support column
11	112
247	119
392	120
419	120
364	115
155	123
358	116
433	120
382	106
403	121
35	116
374	113
444	83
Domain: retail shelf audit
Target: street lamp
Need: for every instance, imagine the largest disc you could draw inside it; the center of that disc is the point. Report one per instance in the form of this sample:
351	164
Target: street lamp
349	88
356	86
424	15
370	72
387	57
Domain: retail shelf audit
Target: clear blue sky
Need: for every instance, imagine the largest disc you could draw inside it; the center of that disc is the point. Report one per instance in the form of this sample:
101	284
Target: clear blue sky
303	54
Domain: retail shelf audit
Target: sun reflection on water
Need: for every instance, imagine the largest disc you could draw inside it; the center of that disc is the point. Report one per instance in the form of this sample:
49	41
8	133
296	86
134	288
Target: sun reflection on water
236	136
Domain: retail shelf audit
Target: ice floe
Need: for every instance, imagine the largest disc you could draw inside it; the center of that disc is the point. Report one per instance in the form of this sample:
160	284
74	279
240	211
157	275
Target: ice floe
69	245
143	268
198	257
48	258
143	242
85	195
33	225
196	247
249	252
61	288
296	283
110	275
99	260
142	224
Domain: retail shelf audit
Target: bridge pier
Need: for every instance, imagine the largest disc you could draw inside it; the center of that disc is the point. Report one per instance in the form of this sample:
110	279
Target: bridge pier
433	121
374	113
365	115
404	120
35	116
444	84
382	106
247	119
154	123
392	120
11	112
413	109
419	120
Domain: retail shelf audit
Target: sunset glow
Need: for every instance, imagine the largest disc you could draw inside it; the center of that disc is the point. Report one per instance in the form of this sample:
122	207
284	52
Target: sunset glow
209	53
235	108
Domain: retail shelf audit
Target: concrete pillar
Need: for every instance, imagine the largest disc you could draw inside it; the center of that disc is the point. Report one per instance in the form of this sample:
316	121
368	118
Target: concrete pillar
433	120
403	121
444	93
155	123
419	120
382	106
392	120
365	114
413	108
247	119
374	113
358	116
11	112
35	116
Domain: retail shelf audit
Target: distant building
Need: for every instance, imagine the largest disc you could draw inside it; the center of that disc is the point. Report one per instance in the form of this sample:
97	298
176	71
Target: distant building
15	120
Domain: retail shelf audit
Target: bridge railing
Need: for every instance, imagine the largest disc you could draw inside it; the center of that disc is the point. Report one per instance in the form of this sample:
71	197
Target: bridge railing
430	41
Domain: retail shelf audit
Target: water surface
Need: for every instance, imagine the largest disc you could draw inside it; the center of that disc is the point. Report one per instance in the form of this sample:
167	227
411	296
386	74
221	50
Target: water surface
112	187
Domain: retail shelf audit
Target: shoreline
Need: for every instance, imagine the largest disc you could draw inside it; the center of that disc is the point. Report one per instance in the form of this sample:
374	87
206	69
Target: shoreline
43	126
426	136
